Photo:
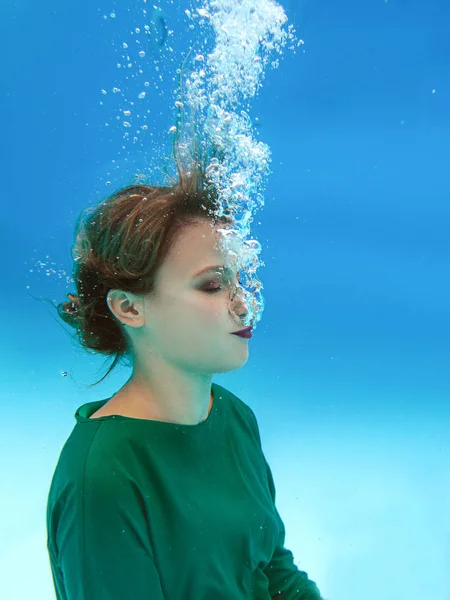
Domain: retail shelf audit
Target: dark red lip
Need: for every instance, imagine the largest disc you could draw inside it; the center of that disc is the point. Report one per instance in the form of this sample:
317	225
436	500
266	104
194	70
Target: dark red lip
246	330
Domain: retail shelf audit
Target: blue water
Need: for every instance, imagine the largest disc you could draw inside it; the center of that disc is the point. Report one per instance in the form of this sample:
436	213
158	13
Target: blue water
349	368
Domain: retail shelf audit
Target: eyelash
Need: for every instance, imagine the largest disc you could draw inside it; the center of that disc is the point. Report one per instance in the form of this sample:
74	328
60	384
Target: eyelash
213	290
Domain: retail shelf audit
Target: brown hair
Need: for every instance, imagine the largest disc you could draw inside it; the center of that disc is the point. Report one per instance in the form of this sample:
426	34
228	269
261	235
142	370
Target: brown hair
120	244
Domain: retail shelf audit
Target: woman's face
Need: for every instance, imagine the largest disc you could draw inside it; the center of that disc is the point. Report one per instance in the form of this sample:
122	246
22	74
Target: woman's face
188	318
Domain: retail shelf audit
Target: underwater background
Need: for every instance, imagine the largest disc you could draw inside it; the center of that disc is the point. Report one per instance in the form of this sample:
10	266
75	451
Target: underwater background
348	372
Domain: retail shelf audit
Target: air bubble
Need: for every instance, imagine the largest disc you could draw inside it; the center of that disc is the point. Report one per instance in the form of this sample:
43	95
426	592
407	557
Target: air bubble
104	92
142	95
142	54
126	124
116	90
125	45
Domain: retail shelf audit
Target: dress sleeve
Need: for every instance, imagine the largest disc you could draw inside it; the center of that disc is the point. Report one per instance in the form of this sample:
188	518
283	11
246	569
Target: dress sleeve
103	547
286	581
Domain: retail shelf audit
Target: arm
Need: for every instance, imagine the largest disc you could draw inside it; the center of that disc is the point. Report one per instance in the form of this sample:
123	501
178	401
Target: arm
103	550
286	581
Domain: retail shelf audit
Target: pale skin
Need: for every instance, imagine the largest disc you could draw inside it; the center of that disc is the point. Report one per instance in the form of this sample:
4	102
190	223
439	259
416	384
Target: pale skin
182	336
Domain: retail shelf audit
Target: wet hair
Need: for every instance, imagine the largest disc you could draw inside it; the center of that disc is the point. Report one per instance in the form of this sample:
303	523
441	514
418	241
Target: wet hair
120	244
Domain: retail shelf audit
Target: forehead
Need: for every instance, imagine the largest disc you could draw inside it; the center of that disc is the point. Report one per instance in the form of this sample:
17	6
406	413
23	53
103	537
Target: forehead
195	248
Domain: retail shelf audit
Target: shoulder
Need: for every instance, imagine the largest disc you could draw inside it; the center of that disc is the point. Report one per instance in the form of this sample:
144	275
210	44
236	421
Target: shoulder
240	408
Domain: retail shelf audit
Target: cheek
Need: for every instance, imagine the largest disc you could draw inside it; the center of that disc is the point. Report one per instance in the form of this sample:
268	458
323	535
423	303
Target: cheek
213	306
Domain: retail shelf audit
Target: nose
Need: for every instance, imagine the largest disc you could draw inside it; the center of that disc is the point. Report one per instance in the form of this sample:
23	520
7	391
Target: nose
237	303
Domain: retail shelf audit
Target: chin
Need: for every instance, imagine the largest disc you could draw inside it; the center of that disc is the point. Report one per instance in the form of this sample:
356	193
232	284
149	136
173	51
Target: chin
233	365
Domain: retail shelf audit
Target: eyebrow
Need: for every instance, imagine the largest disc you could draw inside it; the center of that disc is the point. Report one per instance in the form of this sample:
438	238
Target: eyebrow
211	268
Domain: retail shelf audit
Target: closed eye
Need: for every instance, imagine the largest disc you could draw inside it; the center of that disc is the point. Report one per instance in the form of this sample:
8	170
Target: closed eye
212	290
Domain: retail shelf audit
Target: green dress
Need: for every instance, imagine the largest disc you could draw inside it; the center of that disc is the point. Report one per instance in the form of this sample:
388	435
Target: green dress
149	510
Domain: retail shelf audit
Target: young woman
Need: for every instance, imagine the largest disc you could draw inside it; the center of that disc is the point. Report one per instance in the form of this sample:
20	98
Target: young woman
162	492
